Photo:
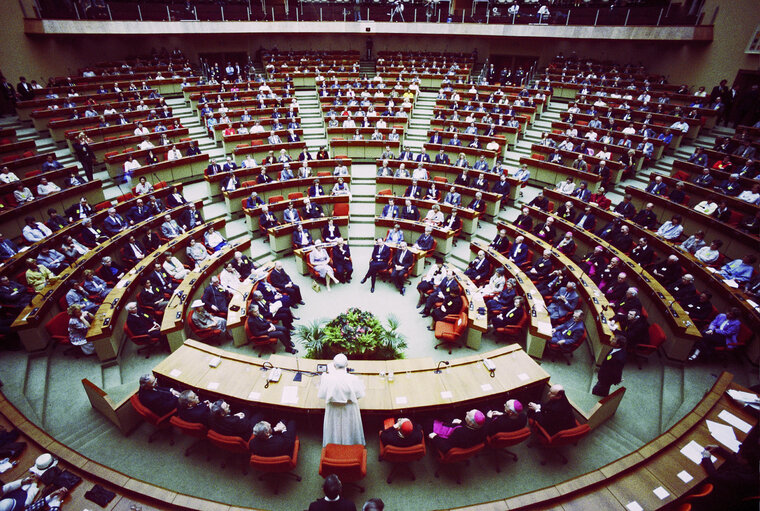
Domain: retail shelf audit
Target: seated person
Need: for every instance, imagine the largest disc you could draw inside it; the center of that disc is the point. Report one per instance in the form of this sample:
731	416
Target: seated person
273	441
267	220
512	418
215	297
301	237
95	286
570	332
13	294
258	325
224	422
159	400
141	323
458	433
542	267
555	413
722	332
193	410
196	252
508	316
563	302
214	240
76	295
740	270
479	268
203	319
403	433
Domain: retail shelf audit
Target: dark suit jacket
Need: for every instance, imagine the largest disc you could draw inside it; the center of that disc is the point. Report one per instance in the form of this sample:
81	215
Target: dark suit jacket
462	437
112	226
158	400
408	258
231	425
556	415
215	296
390	436
338	505
500	244
611	370
187	215
278	444
199	414
137	215
505	423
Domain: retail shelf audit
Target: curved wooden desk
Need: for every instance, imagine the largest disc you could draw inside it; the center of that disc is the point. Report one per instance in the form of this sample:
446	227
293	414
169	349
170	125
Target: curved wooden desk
281	236
598	316
106	330
247	141
444	237
468	216
657	300
540	329
173	323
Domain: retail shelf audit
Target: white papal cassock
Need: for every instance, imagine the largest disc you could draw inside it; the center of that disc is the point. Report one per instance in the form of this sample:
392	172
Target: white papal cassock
341	392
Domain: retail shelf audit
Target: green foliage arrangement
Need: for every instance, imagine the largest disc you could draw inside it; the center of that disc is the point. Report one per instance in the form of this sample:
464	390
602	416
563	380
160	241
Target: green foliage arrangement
356	333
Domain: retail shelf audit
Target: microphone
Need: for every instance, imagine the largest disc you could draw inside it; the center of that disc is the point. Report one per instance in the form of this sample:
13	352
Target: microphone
438	368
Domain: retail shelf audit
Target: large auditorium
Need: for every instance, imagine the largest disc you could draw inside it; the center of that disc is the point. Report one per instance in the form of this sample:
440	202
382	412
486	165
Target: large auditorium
380	254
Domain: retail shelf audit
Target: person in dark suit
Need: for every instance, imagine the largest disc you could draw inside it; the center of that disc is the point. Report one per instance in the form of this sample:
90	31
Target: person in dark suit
311	210
479	268
402	261
512	418
259	325
555	413
141	323
436	138
193	410
138	213
668	271
253	201
643	253
442	158
284	284
273	441
89	235
634	328
452	304
267	220
55	221
410	211
448	286
519	251
341	257
333	500
175	199
413	190
151	241
569	332
301	237
478	204
151	297
458	433
190	218
502	187
381	255
243	264
626	208
213	168
611	370
403	433
79	210
452	222
159	400
215	297
500	243
316	189
226	423
524	221
230	183
511	316
586	220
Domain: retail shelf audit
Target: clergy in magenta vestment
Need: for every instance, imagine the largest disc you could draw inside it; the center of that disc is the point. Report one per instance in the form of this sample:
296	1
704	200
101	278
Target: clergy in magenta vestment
341	392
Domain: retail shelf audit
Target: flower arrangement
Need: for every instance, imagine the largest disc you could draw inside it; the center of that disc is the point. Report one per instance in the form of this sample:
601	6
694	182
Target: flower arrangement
356	333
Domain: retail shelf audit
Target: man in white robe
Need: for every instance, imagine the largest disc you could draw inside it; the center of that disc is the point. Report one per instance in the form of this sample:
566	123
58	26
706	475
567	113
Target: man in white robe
341	392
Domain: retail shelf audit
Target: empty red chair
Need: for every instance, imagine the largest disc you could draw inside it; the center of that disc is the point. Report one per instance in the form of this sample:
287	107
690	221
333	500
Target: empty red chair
503	439
341	209
559	439
449	332
642	352
191	429
276	198
234	445
58	329
455	456
348	462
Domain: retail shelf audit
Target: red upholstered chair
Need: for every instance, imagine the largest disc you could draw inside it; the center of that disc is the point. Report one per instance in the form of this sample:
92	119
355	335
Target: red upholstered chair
276	198
401	457
341	209
455	456
212	335
324	173
295	195
33	173
261	342
387	191
513	333
146	343
277	467
449	332
742	339
559	439
642	352
348	462
191	429
440	179
160	423
234	445
528	261
58	329
500	441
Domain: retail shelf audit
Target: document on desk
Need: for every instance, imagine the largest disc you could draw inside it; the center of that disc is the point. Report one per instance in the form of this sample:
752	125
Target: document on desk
724	434
685	476
661	493
693	451
290	395
735	421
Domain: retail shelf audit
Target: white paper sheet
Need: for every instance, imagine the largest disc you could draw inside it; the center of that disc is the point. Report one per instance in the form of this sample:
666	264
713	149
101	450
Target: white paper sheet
661	493
685	476
174	373
254	395
522	376
735	421
486	387
401	400
5	466
212	385
724	434
745	397
446	394
290	395
634	506
693	451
